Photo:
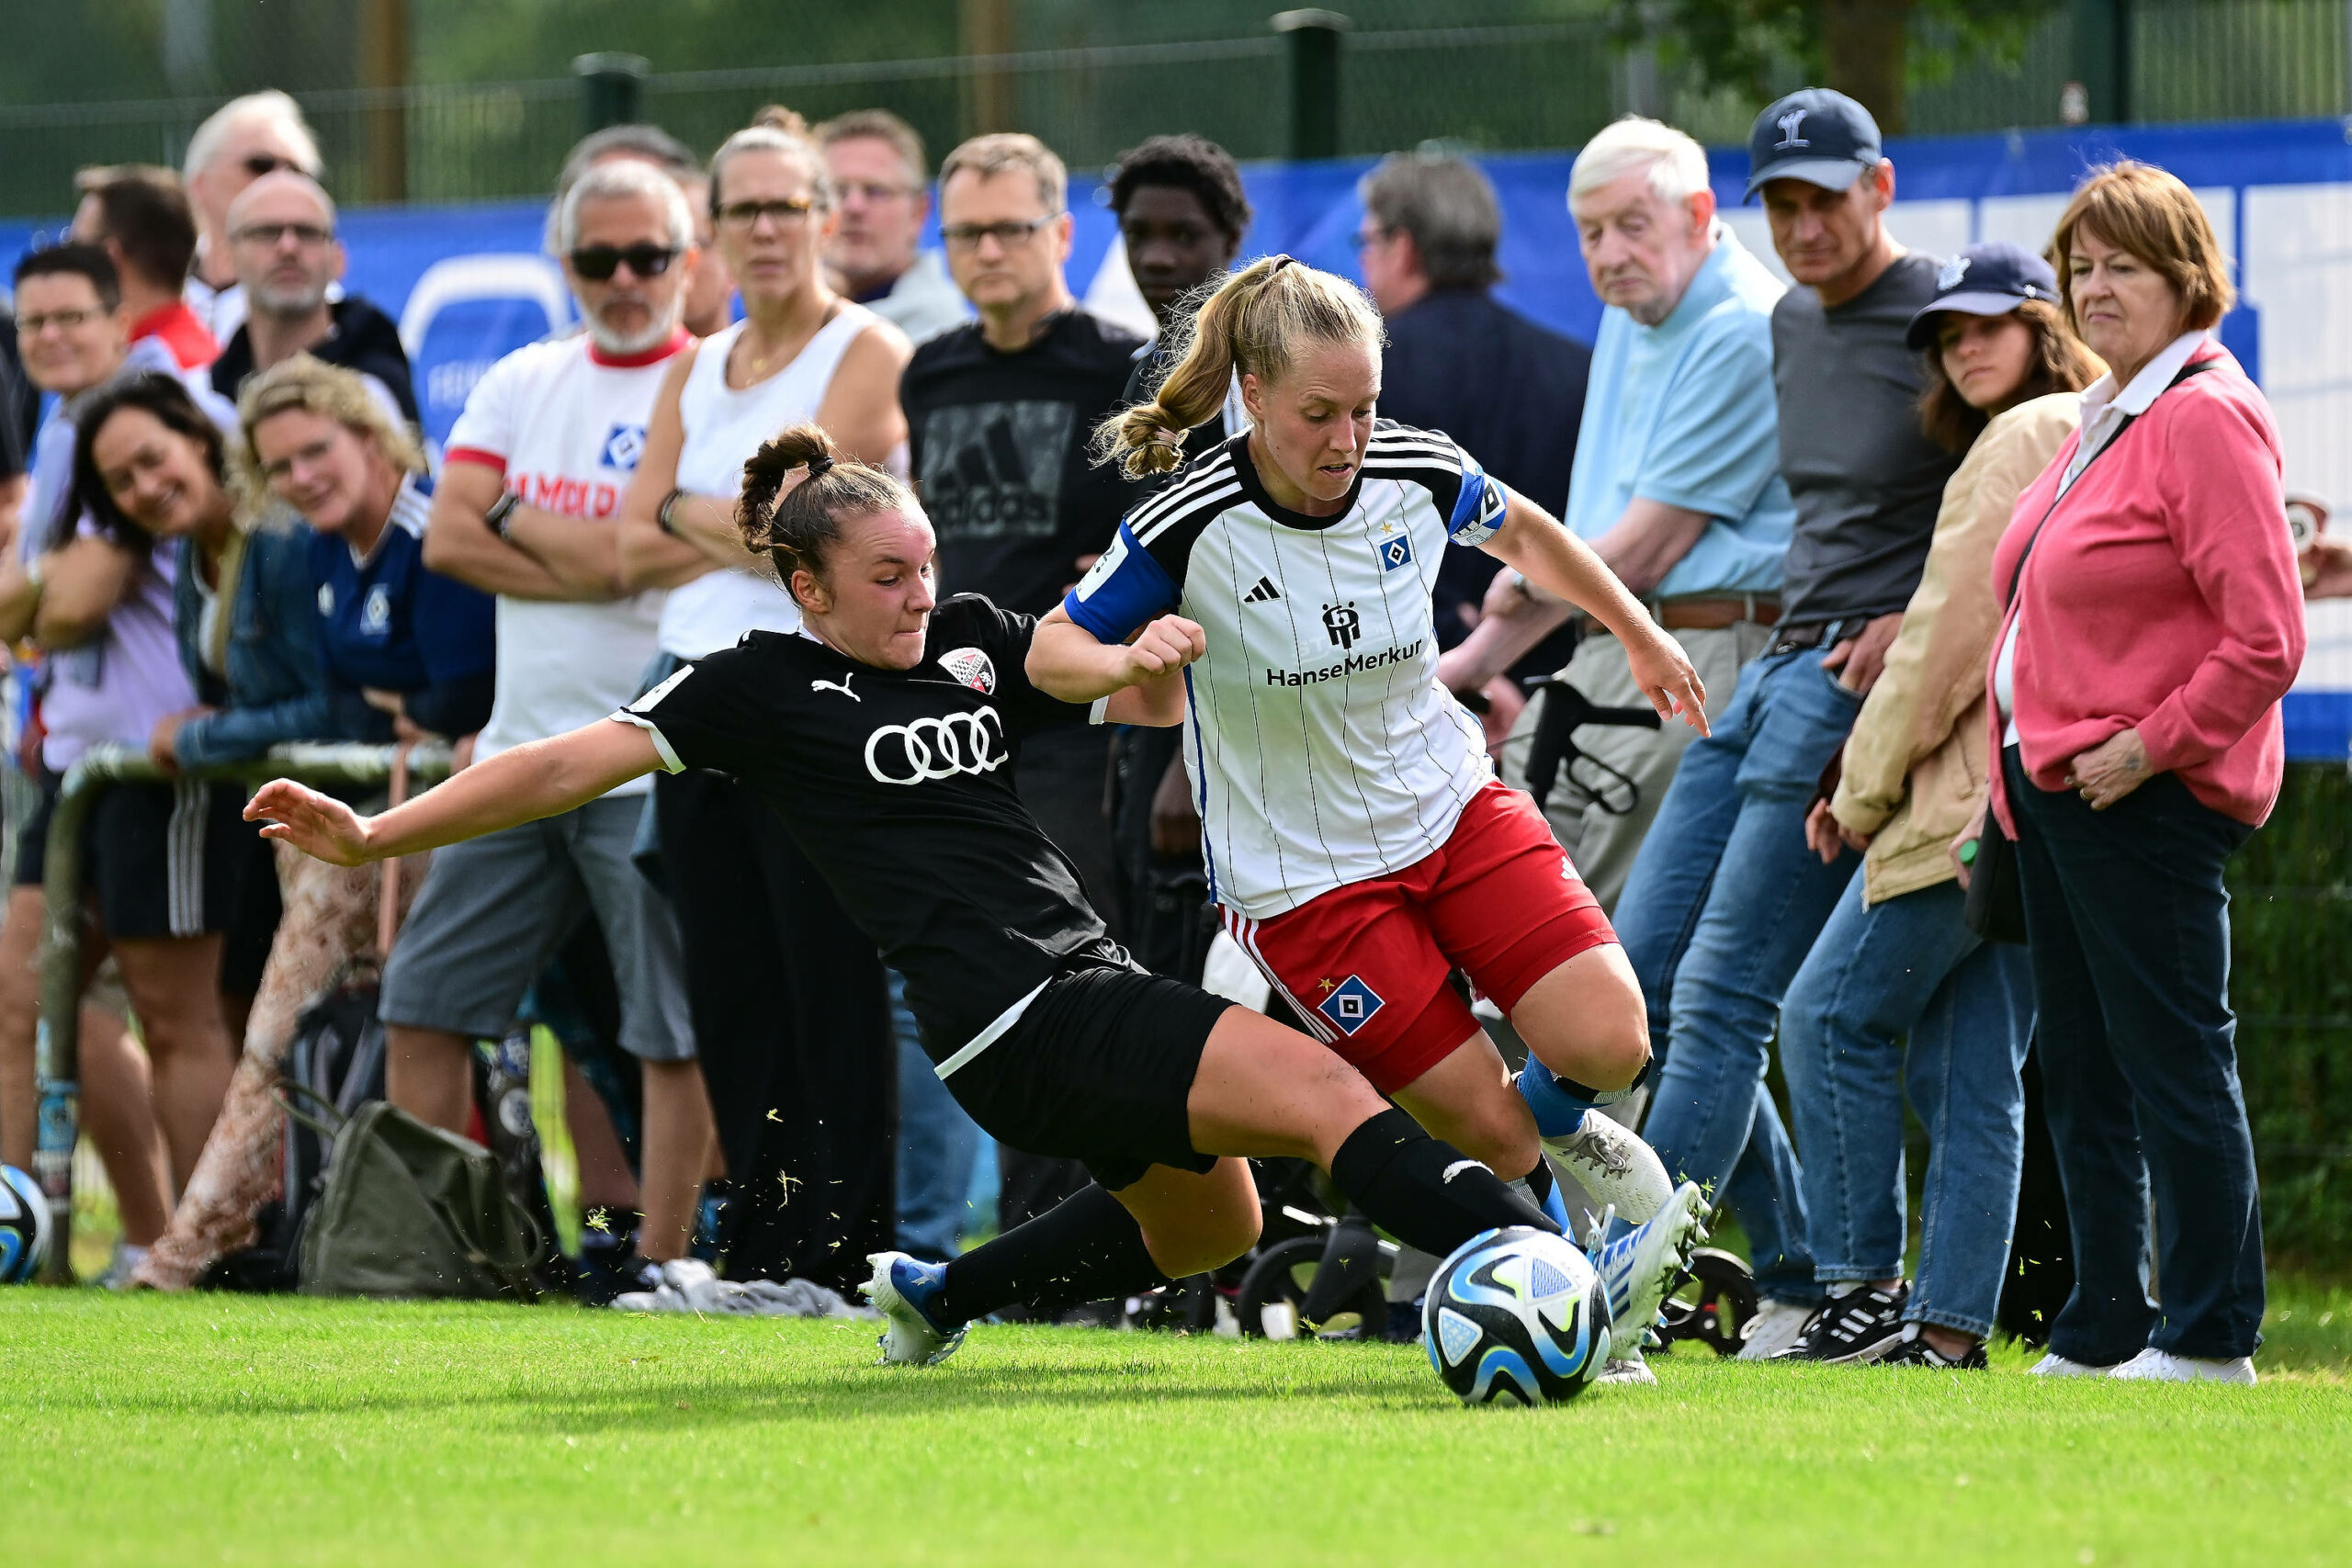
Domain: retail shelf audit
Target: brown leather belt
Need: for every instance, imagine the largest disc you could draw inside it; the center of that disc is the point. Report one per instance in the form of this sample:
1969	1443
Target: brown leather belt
1712	614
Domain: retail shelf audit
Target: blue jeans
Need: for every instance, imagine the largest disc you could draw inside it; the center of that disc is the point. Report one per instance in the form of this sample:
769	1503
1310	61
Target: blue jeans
937	1146
1723	906
1909	965
2131	948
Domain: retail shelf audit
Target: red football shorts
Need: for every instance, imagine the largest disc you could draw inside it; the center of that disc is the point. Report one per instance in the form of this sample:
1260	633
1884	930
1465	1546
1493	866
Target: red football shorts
1366	965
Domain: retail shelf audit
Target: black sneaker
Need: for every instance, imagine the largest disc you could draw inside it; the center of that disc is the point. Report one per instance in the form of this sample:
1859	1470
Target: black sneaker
1913	1350
1861	1326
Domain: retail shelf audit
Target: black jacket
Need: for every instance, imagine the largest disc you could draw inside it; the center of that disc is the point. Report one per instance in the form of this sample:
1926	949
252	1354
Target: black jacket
363	339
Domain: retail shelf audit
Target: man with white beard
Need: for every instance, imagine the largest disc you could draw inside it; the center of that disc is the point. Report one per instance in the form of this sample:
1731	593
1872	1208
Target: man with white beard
527	508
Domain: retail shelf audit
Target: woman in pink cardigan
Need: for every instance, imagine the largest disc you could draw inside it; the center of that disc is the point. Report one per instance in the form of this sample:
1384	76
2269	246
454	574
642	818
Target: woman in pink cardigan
2155	619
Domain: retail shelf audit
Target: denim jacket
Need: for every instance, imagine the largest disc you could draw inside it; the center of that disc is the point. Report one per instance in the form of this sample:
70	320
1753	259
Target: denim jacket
276	686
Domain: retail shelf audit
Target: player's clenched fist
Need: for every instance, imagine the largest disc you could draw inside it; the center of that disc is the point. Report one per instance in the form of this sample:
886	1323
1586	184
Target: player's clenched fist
318	825
1167	645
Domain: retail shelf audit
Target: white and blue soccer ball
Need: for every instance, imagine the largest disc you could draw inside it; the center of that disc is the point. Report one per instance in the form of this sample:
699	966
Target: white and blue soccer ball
24	1226
1516	1314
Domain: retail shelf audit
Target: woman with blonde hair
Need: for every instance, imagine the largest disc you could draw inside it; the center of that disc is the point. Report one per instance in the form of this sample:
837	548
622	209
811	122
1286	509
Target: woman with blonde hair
1897	992
2154	619
777	980
1354	832
315	620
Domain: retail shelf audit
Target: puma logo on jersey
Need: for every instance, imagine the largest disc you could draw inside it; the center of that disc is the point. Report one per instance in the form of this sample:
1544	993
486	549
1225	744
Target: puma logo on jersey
1265	592
841	686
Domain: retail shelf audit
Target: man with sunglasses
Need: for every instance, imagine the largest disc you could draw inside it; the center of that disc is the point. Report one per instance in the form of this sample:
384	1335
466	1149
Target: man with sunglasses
244	139
282	235
528	509
999	413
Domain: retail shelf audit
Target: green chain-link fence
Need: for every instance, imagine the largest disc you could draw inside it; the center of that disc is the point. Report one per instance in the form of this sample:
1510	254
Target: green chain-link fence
1548	79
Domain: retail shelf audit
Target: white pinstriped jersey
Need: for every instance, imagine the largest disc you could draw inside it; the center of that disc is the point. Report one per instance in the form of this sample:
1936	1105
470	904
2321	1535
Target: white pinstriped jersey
1322	749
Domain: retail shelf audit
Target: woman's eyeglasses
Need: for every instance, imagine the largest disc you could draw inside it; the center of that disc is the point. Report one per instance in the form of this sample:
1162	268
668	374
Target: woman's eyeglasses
598	262
787	209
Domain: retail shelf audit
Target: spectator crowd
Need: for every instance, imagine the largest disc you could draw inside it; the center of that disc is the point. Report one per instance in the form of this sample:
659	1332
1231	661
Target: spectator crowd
1989	709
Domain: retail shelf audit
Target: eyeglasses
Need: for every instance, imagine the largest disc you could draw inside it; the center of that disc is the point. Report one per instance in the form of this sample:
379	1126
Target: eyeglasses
746	214
261	163
63	321
1009	234
272	235
598	262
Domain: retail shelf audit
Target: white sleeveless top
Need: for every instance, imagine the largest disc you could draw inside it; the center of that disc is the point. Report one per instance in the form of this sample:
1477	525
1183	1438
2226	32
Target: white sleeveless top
723	428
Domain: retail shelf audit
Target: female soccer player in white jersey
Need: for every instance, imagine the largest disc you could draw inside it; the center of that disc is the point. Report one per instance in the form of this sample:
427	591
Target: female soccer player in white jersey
881	734
1355	833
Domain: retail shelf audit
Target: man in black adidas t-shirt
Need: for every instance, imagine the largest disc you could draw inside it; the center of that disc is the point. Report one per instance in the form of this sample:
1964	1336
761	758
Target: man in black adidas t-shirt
998	415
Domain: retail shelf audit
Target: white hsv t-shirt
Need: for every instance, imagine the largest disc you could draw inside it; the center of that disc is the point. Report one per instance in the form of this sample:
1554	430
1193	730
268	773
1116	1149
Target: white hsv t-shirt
564	423
1322	748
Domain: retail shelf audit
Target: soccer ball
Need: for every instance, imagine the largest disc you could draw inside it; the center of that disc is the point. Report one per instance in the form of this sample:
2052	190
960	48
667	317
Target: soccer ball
24	1226
1516	1314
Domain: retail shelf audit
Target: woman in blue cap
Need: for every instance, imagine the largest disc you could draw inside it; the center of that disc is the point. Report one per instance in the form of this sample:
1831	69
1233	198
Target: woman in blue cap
1895	960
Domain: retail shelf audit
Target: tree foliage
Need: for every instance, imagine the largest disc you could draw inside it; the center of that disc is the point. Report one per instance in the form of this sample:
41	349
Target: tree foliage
1872	49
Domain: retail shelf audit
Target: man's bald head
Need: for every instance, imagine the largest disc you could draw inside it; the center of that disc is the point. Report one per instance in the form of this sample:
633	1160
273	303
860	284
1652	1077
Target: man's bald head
281	239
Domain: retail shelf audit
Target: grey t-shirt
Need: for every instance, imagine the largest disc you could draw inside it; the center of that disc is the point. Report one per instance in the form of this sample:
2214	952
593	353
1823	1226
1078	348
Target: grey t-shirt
1867	484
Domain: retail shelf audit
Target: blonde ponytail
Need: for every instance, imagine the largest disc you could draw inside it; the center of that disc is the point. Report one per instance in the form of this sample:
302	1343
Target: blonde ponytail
1257	321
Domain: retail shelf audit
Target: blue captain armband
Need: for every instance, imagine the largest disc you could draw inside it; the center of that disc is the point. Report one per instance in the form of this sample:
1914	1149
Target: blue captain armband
1124	590
1477	508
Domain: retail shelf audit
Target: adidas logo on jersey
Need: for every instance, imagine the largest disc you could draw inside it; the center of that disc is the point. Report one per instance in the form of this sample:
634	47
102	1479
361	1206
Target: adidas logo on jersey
1265	592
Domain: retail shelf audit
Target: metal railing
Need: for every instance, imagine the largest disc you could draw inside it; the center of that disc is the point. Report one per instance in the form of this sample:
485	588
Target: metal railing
57	1044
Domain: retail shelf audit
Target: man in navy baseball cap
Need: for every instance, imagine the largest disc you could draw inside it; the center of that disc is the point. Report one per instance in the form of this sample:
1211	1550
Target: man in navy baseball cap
1988	279
1817	135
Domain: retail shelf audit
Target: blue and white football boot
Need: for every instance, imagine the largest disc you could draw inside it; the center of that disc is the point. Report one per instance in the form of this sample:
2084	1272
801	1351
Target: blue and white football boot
1639	1268
903	1290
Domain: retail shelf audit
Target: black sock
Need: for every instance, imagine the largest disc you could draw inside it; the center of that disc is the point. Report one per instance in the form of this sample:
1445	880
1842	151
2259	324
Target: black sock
1539	1181
1085	1248
1425	1192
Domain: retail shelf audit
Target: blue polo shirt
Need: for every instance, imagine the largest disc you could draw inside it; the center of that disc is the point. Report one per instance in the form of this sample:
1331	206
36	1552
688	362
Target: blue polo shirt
1683	413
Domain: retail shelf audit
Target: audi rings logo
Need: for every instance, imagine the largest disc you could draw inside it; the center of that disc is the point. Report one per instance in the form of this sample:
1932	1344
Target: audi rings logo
936	747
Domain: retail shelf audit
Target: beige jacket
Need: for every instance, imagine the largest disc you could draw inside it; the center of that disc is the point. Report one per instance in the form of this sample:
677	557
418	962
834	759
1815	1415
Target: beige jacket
1915	766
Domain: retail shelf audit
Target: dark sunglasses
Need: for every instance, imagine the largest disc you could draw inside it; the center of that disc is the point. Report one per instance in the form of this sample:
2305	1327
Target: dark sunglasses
262	164
598	262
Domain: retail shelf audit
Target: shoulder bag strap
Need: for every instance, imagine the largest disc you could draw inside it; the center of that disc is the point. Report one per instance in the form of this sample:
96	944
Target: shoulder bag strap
2018	575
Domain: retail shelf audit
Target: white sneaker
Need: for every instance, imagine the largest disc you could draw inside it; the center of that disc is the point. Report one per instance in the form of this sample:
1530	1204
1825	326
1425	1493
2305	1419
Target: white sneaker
1611	1162
1629	1368
2055	1365
2152	1365
1775	1327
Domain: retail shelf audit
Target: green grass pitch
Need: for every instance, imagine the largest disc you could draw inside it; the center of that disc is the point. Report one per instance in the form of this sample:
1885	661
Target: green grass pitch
218	1429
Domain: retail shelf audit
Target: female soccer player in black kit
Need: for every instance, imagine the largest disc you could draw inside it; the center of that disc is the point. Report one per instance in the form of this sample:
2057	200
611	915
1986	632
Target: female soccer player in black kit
883	735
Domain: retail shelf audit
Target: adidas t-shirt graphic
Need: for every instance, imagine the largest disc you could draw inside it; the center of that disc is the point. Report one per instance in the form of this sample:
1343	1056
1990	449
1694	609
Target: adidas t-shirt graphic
1321	747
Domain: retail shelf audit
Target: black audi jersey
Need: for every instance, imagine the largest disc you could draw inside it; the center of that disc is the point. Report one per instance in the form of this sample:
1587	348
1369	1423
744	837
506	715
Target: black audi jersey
898	785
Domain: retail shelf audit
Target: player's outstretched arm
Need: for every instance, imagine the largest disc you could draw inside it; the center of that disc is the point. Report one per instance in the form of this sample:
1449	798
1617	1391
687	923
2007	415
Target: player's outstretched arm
1066	660
1535	543
541	779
